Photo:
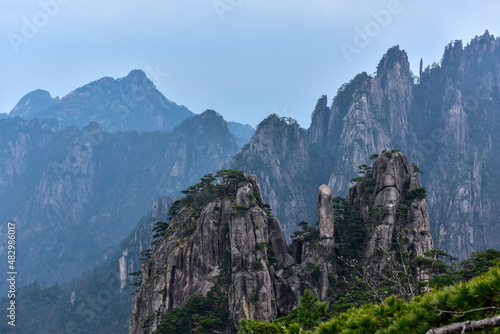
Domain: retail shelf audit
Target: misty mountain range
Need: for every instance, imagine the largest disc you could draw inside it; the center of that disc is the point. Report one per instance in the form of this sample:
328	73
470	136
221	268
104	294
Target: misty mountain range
77	173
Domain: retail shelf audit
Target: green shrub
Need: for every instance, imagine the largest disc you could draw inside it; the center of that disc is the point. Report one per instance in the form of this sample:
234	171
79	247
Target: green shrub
240	210
256	265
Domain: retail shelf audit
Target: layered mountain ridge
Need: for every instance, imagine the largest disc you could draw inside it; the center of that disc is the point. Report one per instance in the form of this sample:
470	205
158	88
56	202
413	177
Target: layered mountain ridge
129	103
124	104
84	186
77	172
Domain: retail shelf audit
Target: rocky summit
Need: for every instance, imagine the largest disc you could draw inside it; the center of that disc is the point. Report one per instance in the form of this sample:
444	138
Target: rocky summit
224	244
391	201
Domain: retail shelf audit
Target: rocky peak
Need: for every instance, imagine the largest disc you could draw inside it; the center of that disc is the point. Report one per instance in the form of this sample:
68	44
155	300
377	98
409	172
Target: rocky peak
318	131
137	76
139	84
392	203
279	148
453	53
32	103
224	242
487	42
394	65
217	240
211	114
129	103
203	128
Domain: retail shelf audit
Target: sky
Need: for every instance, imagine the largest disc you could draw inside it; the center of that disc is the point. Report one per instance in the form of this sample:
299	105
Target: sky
245	59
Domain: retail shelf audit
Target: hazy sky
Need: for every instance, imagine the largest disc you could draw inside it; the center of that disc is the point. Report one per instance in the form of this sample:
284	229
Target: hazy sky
243	58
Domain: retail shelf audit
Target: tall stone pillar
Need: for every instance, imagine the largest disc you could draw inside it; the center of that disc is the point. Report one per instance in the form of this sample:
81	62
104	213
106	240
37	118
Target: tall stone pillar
325	212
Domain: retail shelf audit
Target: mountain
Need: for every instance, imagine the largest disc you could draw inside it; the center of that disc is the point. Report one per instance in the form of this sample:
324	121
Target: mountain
278	154
129	103
33	103
76	193
124	104
446	119
223	249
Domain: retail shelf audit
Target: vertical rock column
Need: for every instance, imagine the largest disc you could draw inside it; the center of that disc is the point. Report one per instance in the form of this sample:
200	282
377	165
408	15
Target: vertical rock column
326	233
325	212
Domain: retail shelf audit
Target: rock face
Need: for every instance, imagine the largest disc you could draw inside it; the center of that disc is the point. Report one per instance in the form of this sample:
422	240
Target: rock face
447	121
230	244
391	202
33	102
140	240
234	237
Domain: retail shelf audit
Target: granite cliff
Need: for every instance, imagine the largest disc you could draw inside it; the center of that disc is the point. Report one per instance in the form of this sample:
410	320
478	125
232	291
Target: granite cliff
224	244
392	203
230	243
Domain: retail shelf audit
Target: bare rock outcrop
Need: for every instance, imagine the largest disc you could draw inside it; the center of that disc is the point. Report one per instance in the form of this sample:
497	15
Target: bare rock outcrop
229	238
231	243
392	203
225	239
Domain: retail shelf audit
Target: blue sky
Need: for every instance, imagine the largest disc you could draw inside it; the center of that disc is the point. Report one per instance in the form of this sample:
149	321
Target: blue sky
243	58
